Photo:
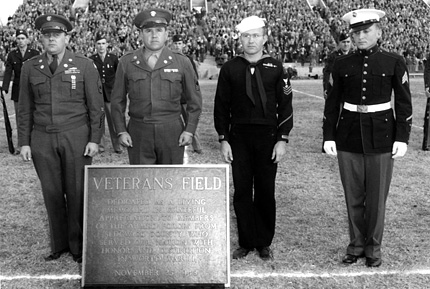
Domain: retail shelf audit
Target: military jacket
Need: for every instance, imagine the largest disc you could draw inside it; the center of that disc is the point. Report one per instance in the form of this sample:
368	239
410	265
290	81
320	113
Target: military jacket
368	77
107	70
233	104
155	94
71	95
328	68
14	63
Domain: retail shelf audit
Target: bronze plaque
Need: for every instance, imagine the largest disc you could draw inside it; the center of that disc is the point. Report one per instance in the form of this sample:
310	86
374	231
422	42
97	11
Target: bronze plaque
151	225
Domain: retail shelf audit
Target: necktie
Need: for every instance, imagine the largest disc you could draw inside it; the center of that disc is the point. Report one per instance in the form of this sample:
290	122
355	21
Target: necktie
152	60
54	63
251	69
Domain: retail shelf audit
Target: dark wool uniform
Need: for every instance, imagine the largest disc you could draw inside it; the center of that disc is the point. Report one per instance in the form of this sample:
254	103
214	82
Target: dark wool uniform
252	112
155	105
14	63
59	114
328	68
364	136
107	69
426	137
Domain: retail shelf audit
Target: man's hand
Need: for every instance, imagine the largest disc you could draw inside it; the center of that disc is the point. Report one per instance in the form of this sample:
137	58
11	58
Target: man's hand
26	153
427	91
279	151
399	149
330	147
125	139
226	152
185	139
91	149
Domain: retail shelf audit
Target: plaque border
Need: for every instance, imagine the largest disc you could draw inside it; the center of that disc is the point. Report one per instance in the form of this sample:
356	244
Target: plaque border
227	203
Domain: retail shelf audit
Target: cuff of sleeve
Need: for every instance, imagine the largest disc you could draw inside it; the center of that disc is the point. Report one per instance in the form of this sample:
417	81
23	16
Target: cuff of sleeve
188	133
222	137
282	137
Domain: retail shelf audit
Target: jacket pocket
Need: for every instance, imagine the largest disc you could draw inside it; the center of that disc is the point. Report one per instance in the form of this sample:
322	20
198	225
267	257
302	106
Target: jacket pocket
41	89
383	129
72	85
170	86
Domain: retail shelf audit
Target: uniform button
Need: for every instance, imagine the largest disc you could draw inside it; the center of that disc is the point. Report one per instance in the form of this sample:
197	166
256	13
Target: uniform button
364	80
383	74
366	65
364	72
363	97
366	57
364	89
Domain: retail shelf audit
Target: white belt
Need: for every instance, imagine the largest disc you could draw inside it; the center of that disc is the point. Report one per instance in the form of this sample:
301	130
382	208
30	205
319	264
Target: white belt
367	108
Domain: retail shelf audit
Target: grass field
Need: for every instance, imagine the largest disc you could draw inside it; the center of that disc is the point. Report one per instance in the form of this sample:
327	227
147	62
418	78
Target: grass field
311	233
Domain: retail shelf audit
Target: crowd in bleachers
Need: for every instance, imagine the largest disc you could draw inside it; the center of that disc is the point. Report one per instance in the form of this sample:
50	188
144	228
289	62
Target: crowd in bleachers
297	33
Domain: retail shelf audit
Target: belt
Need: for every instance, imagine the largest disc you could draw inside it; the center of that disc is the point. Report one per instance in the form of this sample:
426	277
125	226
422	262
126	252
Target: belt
367	108
55	128
158	120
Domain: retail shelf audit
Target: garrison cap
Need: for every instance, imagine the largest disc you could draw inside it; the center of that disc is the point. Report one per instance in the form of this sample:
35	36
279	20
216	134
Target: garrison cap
152	18
362	18
21	32
177	38
100	35
53	22
343	36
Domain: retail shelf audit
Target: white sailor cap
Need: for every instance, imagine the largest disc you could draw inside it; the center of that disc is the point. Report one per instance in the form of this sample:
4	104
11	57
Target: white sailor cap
249	23
362	18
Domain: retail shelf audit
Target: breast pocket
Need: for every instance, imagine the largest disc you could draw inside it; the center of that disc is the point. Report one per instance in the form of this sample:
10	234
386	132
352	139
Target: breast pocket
350	80
137	84
41	89
72	86
381	81
170	86
383	129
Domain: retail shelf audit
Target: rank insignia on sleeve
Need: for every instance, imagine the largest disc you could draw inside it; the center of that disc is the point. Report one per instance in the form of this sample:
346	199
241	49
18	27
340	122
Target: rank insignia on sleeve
287	86
405	78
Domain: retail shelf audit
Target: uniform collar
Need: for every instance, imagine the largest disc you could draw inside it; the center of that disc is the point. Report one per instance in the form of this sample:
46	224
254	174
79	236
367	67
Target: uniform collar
368	52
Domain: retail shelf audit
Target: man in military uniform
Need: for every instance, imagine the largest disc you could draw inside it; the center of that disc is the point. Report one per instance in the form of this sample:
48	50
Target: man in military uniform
107	64
361	128
178	46
344	47
14	62
426	136
253	116
60	126
155	80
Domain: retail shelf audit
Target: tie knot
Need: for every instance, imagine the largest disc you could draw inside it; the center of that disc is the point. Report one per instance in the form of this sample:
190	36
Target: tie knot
54	56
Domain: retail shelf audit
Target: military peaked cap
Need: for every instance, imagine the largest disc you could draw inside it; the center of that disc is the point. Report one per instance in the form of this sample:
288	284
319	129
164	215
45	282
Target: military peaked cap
152	18
53	22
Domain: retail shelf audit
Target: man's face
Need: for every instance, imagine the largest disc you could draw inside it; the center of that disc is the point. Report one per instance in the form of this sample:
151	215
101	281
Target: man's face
154	38
178	46
367	38
345	45
101	46
21	41
54	42
253	41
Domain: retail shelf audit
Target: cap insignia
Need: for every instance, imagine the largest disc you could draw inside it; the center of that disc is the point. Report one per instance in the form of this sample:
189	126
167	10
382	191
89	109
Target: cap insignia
153	13
48	18
354	14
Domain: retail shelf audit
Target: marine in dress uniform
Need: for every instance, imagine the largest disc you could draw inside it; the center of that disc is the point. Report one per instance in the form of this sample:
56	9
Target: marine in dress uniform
106	63
253	117
14	62
344	47
361	128
426	136
60	124
155	80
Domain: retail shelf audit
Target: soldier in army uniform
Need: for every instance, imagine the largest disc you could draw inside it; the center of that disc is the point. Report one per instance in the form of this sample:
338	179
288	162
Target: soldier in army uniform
155	80
362	130
106	63
426	136
60	126
14	62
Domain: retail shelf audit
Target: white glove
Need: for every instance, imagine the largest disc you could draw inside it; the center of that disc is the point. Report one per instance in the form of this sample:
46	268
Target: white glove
399	149
330	147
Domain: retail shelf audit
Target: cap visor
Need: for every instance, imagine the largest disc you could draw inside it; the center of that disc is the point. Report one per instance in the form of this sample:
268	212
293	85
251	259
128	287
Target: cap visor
361	27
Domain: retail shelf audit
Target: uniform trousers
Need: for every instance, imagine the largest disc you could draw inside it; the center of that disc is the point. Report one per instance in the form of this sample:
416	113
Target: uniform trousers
155	143
366	181
59	162
113	135
254	184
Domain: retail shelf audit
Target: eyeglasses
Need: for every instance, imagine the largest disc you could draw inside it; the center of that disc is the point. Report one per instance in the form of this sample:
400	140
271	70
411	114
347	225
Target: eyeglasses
251	36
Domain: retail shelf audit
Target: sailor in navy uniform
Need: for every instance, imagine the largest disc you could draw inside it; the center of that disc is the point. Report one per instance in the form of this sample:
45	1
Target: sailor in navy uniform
365	131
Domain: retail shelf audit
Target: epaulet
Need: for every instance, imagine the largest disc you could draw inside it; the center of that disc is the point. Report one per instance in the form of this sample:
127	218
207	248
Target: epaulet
78	55
178	53
129	53
34	57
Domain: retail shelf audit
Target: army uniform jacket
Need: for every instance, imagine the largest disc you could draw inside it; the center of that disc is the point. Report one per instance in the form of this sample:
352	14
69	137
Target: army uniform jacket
328	68
107	70
368	77
233	105
63	100
155	95
14	63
